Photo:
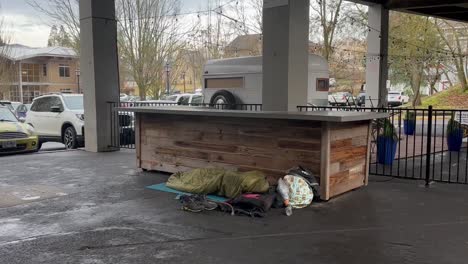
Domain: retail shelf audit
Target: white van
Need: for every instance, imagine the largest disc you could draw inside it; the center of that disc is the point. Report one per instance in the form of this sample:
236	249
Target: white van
239	81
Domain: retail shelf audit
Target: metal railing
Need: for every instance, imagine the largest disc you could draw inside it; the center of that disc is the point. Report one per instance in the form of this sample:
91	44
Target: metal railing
244	107
423	143
123	126
427	144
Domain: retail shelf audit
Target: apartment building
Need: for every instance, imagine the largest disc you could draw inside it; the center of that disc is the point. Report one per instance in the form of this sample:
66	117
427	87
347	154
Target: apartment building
37	71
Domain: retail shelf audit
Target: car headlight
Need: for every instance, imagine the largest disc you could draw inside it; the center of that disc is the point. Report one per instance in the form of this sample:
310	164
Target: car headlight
80	116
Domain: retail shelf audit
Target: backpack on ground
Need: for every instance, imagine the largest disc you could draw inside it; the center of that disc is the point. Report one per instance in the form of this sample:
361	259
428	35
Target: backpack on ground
300	192
308	177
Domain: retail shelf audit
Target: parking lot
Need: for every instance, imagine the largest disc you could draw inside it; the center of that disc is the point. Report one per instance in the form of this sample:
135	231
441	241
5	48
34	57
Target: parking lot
80	207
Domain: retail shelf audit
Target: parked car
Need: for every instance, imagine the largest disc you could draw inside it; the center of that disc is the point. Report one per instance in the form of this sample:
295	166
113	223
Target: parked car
180	99
58	118
21	111
134	98
397	98
15	137
124	97
7	104
341	98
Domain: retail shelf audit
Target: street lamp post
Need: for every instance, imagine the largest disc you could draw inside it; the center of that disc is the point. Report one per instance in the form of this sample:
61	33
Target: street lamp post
168	84
183	76
77	72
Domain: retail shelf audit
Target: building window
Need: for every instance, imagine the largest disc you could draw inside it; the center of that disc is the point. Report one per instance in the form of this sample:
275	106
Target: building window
29	93
44	69
64	70
30	72
323	84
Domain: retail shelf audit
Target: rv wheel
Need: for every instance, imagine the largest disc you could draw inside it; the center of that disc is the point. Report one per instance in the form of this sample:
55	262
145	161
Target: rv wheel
223	97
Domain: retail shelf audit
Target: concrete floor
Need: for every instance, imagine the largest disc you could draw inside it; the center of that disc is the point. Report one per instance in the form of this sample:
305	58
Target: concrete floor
78	207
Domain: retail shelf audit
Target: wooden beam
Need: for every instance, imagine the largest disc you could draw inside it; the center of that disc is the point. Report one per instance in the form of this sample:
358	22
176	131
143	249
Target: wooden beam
414	4
368	156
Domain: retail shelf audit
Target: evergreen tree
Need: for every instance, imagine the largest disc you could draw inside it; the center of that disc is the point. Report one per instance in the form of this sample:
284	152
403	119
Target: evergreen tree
59	37
64	39
414	43
53	36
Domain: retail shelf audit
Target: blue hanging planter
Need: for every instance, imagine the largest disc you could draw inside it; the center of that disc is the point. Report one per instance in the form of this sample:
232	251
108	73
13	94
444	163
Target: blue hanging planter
386	150
409	126
455	140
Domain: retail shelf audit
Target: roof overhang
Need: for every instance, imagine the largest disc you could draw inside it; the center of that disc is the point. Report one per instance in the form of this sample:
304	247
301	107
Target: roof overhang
446	9
49	56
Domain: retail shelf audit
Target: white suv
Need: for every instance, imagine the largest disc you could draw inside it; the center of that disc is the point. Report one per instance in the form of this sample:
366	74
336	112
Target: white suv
58	118
397	98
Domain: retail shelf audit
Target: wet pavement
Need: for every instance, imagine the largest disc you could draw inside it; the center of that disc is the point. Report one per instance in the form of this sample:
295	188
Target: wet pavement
78	207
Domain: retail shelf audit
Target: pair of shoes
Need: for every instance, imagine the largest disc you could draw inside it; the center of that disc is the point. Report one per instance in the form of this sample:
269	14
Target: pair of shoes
196	203
207	204
189	204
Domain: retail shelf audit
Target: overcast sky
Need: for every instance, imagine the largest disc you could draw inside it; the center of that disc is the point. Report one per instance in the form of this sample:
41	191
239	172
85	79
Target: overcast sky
28	27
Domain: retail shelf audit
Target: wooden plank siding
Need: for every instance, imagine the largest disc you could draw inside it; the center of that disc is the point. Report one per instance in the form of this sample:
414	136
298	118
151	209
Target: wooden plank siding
349	145
176	143
173	143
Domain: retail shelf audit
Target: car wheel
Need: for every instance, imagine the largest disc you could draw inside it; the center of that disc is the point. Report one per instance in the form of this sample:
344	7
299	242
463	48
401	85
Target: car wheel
69	138
223	97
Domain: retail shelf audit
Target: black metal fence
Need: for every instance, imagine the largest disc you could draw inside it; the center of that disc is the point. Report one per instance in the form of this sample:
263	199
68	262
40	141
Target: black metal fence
422	144
123	126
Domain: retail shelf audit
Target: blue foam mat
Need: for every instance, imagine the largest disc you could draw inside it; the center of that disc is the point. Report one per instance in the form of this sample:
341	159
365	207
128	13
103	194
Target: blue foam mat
163	188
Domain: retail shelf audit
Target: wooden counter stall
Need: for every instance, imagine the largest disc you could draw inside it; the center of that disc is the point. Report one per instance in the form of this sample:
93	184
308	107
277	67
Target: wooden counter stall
334	145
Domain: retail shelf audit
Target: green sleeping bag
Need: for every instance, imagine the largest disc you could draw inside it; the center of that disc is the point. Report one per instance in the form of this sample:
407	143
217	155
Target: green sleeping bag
219	181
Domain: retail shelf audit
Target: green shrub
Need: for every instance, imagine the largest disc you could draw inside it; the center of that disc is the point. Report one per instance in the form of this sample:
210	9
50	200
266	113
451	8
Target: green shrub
410	115
453	127
388	130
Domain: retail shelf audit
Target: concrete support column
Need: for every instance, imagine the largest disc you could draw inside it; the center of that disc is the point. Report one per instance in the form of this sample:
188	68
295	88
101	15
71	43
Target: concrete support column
377	56
99	70
285	54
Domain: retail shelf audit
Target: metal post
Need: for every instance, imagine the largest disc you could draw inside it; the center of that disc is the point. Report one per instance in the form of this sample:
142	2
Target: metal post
183	75
20	83
428	149
77	72
168	85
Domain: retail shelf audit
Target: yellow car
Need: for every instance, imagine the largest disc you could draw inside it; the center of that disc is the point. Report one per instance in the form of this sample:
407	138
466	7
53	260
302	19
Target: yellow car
15	137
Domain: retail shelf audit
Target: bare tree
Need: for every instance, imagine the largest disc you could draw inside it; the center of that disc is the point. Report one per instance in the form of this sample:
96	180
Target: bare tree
215	27
149	38
8	69
334	19
194	63
326	16
246	17
454	36
64	13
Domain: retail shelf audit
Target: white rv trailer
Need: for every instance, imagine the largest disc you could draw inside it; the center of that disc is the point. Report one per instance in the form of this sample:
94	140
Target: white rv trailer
239	81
